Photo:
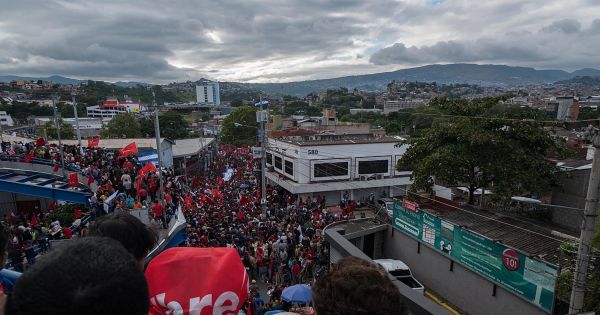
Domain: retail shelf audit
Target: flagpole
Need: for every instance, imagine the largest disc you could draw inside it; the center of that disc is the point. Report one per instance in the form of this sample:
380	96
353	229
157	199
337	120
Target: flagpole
157	132
77	122
60	147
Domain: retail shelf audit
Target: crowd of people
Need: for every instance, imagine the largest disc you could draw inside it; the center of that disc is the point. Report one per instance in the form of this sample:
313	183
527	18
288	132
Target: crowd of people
279	244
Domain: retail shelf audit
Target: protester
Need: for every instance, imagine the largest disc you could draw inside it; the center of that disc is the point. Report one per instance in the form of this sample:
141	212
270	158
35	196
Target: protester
93	275
128	230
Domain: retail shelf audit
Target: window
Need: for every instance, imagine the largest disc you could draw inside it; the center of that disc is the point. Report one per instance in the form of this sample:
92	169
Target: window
372	167
269	158
331	169
278	162
289	168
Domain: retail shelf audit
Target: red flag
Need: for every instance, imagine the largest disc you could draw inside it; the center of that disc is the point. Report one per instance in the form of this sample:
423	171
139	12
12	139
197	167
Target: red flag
207	199
128	149
11	152
90	180
55	169
240	215
28	157
33	220
221	182
216	193
40	142
138	186
149	167
244	200
73	180
188	201
93	142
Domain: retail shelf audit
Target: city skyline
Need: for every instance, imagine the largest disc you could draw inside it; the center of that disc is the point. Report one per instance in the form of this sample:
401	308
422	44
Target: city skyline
268	41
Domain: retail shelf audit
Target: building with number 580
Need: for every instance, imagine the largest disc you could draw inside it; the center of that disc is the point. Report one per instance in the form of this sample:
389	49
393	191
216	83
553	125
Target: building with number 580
355	167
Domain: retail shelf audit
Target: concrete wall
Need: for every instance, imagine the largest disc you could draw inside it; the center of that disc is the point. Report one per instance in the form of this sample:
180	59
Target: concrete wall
462	287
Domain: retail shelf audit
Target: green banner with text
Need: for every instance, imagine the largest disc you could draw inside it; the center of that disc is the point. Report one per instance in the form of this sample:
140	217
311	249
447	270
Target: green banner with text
532	279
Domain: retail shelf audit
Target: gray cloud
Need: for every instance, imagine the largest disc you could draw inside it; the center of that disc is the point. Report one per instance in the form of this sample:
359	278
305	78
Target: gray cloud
561	44
269	40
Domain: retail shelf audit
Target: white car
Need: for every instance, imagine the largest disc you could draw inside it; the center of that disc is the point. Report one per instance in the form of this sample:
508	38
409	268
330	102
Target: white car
399	270
387	205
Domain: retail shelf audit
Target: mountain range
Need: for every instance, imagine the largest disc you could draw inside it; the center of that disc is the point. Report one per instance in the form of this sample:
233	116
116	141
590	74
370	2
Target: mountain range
487	75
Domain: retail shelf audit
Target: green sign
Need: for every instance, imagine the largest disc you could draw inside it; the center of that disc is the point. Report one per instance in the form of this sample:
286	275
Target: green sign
532	279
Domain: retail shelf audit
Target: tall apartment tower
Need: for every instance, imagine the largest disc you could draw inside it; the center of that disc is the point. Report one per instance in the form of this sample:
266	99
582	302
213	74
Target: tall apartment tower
207	94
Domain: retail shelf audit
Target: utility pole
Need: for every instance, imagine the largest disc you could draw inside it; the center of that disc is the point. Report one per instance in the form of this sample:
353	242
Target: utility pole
587	227
263	167
157	132
60	147
76	122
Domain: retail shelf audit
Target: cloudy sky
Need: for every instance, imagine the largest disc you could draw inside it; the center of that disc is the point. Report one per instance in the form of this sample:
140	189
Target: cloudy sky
280	40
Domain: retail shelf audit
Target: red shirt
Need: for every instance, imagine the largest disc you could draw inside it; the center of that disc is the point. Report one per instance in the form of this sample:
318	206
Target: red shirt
158	210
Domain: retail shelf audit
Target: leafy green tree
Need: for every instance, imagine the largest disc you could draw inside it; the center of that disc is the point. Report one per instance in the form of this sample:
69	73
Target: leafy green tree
240	127
508	156
124	125
173	125
66	130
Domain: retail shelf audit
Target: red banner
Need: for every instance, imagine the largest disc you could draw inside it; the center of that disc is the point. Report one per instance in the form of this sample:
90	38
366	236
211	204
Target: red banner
73	180
40	142
128	150
186	280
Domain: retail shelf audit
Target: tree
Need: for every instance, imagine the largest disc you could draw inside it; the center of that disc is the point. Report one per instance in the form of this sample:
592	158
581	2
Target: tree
173	125
511	157
66	130
124	125
240	127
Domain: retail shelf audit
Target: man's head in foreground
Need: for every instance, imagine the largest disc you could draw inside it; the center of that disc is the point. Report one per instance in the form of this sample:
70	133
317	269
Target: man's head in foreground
357	287
92	275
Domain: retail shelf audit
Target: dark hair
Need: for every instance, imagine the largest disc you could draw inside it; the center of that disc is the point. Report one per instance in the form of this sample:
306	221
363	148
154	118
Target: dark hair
3	240
92	275
357	287
137	238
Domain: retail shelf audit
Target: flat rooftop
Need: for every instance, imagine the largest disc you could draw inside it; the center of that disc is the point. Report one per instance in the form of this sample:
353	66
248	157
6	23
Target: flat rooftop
342	141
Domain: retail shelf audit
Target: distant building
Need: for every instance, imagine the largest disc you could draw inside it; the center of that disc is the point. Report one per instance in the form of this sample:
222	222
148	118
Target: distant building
396	105
563	108
364	110
112	107
5	119
88	127
208	94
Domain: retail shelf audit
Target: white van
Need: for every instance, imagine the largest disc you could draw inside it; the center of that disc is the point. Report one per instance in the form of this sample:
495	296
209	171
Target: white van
399	270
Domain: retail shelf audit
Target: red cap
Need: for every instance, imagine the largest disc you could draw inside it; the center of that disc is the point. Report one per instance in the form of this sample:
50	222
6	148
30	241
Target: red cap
187	280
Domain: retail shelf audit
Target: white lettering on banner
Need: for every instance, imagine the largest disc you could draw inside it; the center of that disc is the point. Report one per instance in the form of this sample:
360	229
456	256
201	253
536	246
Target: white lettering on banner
196	305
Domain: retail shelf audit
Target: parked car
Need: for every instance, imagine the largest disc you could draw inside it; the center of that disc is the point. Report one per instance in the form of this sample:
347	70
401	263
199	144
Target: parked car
399	270
386	205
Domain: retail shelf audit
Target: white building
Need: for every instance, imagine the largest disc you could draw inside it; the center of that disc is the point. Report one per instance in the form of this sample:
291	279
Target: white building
332	168
6	120
208	94
396	105
112	107
88	127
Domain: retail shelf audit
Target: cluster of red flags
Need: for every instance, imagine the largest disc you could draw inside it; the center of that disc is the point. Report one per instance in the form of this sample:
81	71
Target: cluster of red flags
128	150
40	142
93	142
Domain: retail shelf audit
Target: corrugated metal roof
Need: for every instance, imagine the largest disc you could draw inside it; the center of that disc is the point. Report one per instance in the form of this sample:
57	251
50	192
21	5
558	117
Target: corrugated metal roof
529	238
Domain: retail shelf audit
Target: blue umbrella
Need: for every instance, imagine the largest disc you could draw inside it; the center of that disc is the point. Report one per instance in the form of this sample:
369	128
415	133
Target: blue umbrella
244	186
299	293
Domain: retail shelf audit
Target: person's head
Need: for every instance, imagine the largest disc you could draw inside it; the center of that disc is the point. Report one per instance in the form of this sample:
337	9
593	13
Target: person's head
92	275
134	235
357	287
